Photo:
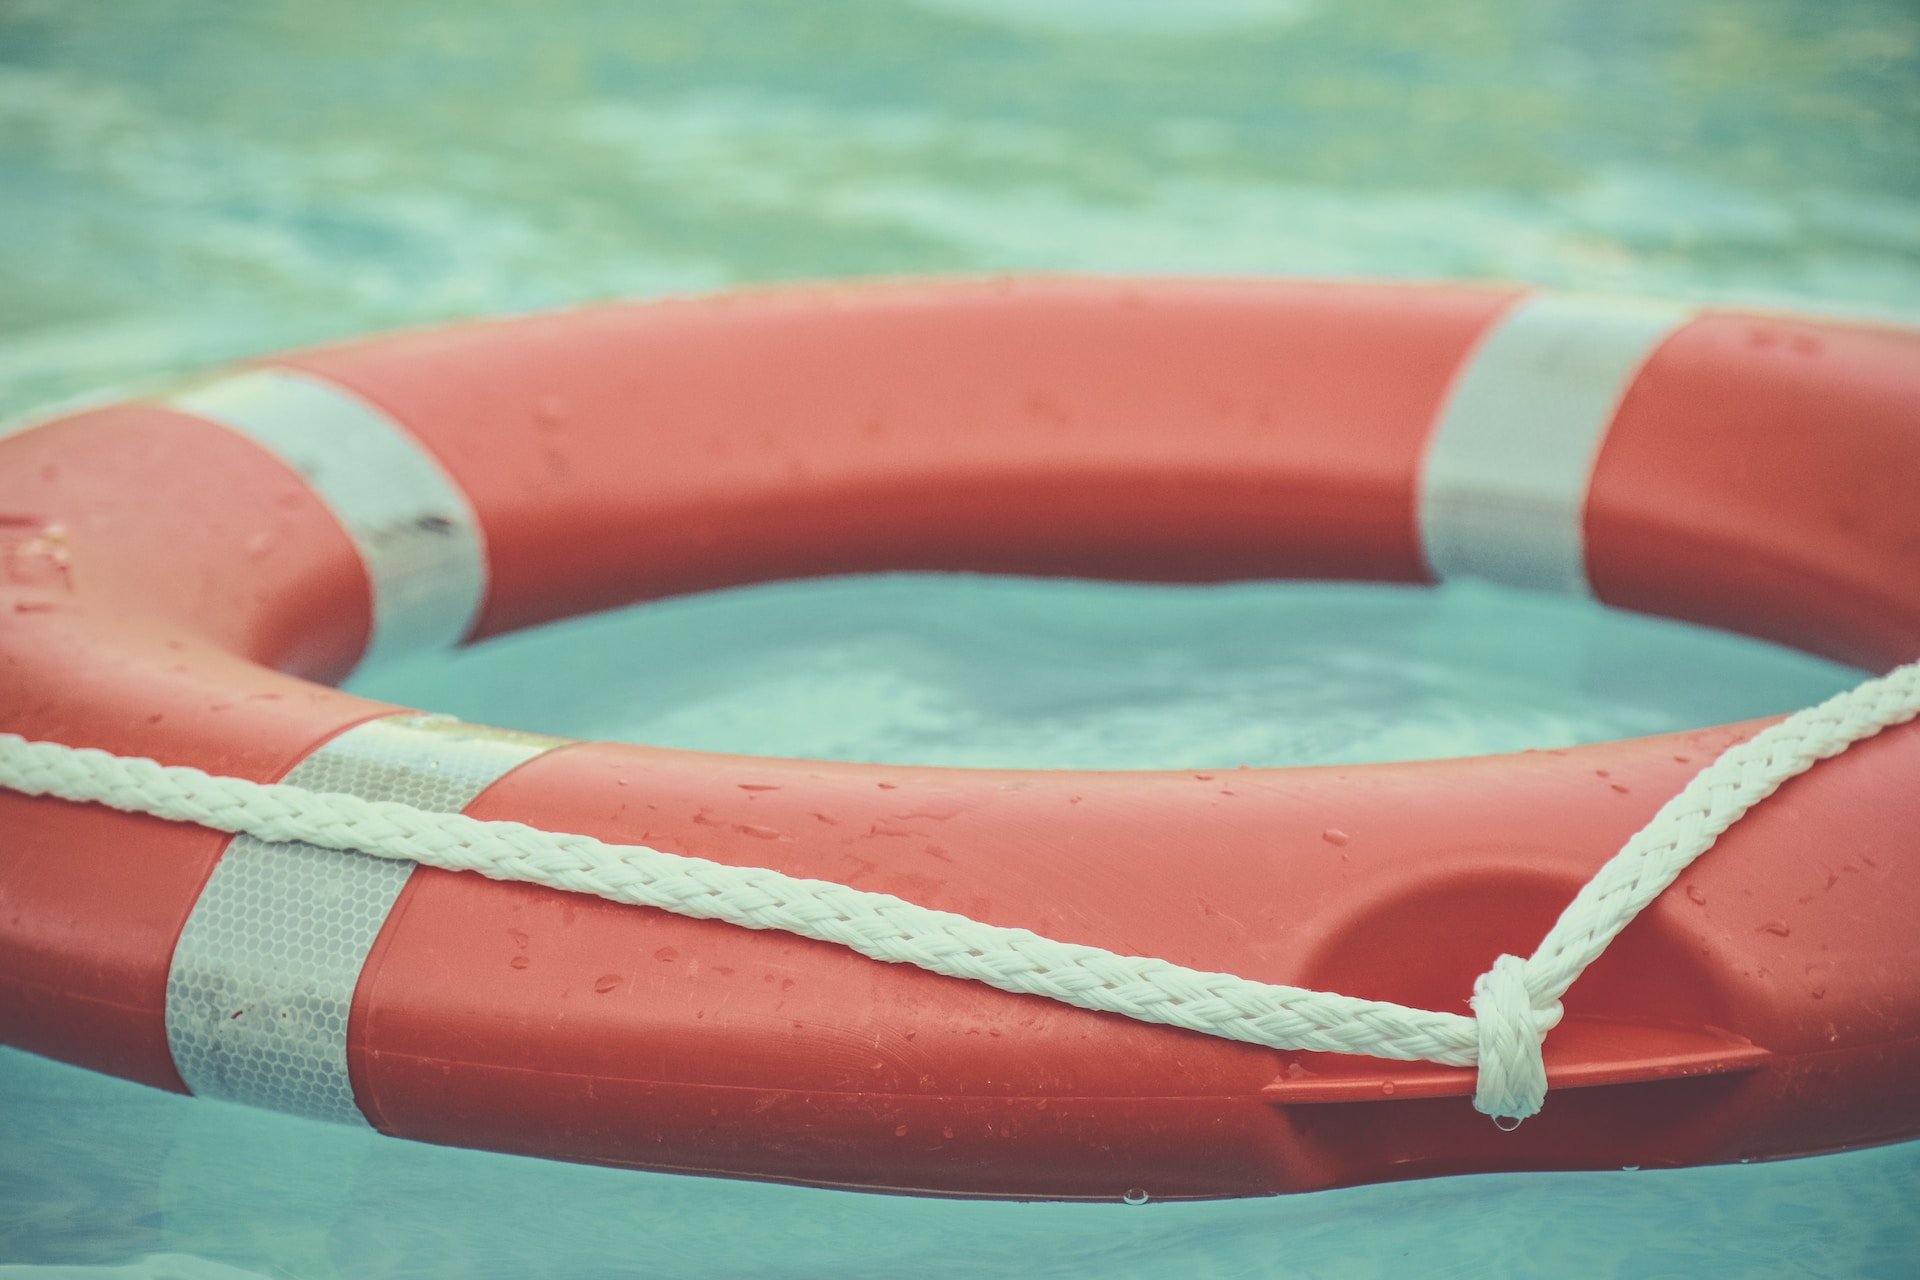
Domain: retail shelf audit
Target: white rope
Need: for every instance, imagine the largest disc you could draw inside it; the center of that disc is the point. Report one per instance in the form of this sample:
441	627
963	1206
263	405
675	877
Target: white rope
1515	1003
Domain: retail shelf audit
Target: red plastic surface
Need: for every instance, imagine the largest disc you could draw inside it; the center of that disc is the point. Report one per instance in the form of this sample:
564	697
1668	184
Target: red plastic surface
1099	429
1768	1005
1762	476
144	559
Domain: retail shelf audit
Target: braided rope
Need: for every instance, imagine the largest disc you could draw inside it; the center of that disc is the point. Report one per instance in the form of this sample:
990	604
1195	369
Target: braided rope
1514	1004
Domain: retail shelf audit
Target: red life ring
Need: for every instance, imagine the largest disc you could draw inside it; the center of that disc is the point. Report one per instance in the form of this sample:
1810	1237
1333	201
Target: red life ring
181	576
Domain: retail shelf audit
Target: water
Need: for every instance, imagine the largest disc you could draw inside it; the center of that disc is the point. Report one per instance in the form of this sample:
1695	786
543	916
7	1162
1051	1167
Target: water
195	181
188	183
1006	672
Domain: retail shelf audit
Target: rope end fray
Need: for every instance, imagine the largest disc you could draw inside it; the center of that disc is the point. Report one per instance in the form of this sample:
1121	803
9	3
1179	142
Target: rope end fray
1513	1076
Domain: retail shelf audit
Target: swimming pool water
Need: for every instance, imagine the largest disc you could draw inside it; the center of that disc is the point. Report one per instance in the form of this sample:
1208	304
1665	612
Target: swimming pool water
198	181
192	182
1001	672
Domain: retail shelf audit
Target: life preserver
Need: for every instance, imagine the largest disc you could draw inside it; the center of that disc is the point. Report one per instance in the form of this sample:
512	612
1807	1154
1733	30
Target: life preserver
180	576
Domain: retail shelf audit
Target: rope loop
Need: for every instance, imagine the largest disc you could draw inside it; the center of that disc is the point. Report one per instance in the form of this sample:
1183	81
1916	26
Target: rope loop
1511	1027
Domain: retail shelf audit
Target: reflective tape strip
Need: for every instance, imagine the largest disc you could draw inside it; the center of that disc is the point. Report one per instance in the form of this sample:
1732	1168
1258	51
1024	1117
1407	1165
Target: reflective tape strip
415	531
1504	488
263	976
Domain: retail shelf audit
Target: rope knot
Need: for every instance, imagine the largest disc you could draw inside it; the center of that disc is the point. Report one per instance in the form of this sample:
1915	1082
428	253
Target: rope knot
1513	1077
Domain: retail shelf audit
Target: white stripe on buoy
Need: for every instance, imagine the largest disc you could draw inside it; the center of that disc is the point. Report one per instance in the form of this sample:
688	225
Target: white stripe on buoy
262	980
424	551
1504	486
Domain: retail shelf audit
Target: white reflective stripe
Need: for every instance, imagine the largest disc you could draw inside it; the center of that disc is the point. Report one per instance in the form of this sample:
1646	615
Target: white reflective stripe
416	532
262	979
1504	487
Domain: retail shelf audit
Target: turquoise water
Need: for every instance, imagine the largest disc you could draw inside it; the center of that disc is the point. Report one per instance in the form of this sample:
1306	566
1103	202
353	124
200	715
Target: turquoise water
1021	673
194	181
186	183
